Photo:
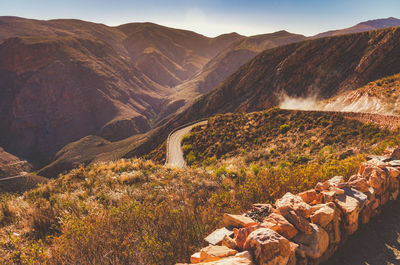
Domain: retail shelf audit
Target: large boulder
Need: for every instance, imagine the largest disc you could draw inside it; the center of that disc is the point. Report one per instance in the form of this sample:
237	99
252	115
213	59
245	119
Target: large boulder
312	245
269	247
350	208
279	224
237	220
377	180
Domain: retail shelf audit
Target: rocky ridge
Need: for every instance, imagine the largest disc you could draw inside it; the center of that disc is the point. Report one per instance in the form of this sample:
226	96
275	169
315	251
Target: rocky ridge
306	228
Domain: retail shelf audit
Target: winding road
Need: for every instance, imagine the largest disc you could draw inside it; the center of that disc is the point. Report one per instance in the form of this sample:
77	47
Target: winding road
174	150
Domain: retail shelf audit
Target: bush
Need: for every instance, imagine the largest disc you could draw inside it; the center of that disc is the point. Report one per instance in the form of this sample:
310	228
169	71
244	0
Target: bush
284	128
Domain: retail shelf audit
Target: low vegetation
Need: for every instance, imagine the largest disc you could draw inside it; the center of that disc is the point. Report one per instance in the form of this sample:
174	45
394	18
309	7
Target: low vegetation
139	212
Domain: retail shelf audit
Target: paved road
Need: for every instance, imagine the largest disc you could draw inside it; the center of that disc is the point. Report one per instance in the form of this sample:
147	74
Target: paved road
174	150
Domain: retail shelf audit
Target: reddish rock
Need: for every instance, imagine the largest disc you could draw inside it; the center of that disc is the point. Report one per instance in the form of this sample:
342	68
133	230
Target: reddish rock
269	247
241	235
311	197
298	221
237	220
323	216
229	242
213	253
296	203
312	245
279	224
377	180
350	208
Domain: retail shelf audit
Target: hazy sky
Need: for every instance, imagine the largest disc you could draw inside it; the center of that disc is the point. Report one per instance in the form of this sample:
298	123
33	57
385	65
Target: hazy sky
213	17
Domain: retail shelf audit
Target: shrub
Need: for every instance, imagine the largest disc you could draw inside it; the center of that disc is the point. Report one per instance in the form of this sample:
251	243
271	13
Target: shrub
284	128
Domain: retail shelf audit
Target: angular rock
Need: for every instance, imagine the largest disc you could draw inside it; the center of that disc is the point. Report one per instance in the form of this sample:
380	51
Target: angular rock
259	211
298	221
243	258
215	238
350	208
279	224
269	247
323	216
237	220
229	242
377	180
335	181
360	184
311	197
312	245
242	233
392	153
213	253
358	195
195	258
293	202
328	196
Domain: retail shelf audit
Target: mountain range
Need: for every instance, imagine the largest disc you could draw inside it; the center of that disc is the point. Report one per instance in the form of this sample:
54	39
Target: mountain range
75	92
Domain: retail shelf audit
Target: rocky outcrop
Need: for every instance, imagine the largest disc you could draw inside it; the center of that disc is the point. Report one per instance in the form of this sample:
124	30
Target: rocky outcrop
309	227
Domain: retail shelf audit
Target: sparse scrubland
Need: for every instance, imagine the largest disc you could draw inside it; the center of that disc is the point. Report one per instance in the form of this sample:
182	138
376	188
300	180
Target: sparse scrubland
139	212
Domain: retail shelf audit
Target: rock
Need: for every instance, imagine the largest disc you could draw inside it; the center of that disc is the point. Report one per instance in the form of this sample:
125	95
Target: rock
293	202
335	181
312	245
195	258
377	180
237	220
241	235
212	253
298	221
358	195
215	238
269	247
365	214
366	170
323	216
259	211
350	208
229	242
328	196
279	224
392	153
337	191
243	258
311	197
393	172
360	184
384	198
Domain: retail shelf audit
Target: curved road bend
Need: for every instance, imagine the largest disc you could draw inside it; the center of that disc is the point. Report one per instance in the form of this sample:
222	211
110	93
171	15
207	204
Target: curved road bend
175	153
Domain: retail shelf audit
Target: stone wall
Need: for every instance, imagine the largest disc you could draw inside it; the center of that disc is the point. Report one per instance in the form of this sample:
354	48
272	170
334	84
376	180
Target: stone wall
305	228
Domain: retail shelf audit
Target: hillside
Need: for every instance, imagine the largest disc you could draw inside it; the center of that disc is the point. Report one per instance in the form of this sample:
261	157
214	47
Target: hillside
363	26
63	80
127	210
321	69
228	61
380	96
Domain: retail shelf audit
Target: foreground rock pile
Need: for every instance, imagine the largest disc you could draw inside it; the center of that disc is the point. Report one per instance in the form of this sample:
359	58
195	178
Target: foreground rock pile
305	228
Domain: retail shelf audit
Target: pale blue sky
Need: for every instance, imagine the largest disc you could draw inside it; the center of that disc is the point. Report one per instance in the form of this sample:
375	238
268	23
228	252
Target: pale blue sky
213	17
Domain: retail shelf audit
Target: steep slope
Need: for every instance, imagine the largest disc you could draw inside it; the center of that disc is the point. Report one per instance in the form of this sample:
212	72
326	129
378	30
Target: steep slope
11	165
229	60
363	26
82	86
65	79
170	56
321	68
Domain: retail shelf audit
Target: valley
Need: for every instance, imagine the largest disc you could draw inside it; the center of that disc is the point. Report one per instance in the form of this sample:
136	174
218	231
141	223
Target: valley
130	144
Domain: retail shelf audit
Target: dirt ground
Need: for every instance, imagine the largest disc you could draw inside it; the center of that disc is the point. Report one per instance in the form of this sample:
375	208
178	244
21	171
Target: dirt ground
376	243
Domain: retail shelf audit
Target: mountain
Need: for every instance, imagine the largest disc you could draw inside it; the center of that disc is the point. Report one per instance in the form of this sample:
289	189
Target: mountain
229	60
319	68
363	26
63	80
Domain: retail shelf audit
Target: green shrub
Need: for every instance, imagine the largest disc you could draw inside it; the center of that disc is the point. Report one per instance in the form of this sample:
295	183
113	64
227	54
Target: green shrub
284	128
